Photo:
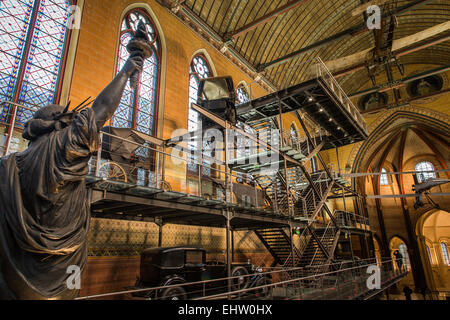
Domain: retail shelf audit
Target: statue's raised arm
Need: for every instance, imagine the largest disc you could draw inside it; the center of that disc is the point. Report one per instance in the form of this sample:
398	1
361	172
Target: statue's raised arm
108	100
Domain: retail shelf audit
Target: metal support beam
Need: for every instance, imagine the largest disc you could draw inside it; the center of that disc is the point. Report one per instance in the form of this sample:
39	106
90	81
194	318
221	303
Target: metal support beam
228	240
390	85
398	54
319	243
362	28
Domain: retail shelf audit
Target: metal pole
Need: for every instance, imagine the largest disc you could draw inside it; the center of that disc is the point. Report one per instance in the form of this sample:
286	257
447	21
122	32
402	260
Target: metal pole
228	231
10	132
291	234
163	165
351	245
160	225
99	154
232	245
230	198
256	196
199	187
157	169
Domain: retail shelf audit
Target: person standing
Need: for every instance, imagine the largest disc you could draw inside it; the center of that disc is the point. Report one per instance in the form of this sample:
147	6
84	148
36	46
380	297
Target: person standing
407	291
399	260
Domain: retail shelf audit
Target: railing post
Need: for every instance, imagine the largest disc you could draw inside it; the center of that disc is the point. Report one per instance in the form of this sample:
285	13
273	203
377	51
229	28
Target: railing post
99	154
163	165
157	168
199	179
10	132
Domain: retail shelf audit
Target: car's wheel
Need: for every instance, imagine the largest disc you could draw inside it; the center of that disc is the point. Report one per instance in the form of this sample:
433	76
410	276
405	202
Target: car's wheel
174	293
264	292
243	280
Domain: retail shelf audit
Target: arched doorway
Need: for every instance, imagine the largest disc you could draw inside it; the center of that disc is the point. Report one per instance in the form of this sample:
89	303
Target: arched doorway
433	234
397	243
400	142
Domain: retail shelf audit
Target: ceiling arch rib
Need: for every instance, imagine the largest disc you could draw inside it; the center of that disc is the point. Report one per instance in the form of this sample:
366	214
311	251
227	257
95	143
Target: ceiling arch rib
267	32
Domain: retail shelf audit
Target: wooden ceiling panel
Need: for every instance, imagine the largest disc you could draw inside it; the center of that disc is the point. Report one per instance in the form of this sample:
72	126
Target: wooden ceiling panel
309	22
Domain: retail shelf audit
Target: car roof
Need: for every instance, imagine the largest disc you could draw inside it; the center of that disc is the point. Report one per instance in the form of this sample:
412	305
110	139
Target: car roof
159	250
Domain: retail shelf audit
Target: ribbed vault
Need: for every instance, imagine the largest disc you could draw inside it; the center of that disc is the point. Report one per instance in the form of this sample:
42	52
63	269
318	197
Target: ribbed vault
309	22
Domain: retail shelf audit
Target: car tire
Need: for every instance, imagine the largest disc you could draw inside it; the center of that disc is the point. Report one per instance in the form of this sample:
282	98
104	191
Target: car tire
263	292
174	293
243	281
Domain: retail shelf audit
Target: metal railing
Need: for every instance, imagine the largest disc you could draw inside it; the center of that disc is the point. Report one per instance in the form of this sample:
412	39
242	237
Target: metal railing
10	134
351	220
308	198
324	73
123	160
344	281
300	141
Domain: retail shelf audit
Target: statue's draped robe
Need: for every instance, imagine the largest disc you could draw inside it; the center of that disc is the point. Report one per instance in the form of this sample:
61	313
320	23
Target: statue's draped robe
44	211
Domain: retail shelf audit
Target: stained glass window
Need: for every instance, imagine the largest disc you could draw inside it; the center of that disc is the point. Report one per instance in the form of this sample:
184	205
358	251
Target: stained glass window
445	254
423	171
138	106
33	37
384	177
242	94
404	251
199	69
429	255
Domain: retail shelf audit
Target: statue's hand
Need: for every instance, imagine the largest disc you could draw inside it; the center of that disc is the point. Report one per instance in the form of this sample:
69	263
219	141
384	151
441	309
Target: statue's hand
134	63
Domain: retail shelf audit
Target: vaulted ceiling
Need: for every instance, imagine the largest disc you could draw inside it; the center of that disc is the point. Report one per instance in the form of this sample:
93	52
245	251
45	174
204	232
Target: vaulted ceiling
317	28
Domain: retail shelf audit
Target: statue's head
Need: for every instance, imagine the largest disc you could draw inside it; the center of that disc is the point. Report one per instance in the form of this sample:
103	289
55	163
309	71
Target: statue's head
45	120
49	112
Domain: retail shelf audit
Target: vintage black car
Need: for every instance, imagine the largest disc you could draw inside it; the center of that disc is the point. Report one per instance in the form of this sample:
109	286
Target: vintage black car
179	265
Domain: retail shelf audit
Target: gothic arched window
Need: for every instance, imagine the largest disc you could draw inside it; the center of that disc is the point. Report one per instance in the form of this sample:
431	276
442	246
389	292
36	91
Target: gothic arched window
424	171
33	37
384	177
242	95
404	251
138	107
199	69
430	258
445	254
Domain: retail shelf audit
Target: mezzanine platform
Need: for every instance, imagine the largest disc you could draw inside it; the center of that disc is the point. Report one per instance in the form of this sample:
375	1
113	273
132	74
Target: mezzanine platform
118	200
321	98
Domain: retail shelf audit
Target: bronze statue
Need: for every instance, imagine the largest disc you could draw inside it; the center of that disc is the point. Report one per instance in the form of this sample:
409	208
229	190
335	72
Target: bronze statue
44	217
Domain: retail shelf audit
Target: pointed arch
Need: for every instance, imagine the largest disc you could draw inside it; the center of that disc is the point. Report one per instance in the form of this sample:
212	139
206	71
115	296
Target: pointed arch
200	67
243	94
386	126
159	92
205	53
